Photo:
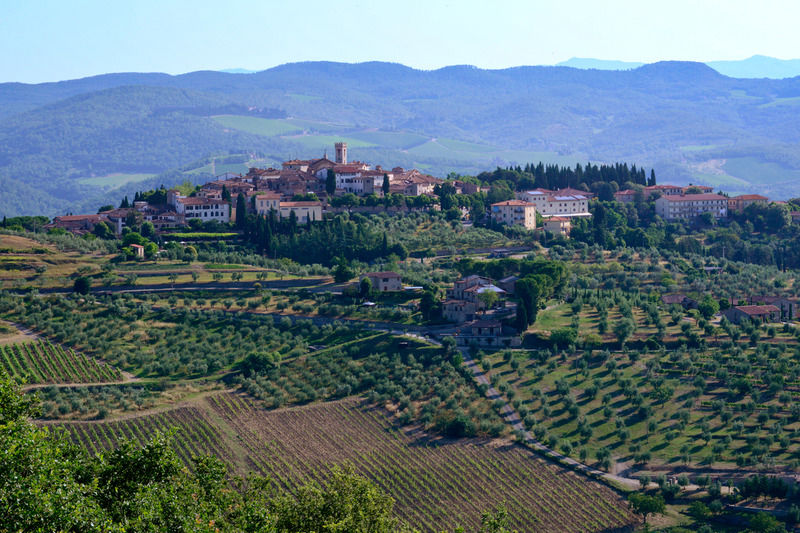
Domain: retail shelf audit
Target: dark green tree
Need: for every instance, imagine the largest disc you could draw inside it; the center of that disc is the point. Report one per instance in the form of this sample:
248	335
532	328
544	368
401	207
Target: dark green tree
385	186
330	182
241	211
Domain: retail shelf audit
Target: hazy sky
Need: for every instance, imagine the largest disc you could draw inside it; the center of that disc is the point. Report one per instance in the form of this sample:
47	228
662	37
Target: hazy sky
48	40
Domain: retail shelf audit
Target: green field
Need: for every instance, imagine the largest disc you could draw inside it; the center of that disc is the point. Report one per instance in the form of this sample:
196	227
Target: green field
260	126
756	171
317	143
112	181
321	127
463	146
791	101
399	140
237	168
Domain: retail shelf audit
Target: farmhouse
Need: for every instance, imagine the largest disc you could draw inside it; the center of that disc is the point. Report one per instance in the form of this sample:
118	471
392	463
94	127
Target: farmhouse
679	299
459	310
79	223
385	281
754	313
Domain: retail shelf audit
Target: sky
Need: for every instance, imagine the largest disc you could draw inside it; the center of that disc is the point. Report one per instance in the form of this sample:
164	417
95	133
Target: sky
51	40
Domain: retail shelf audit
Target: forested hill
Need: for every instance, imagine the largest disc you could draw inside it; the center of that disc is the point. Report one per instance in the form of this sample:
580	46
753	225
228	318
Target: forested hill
69	140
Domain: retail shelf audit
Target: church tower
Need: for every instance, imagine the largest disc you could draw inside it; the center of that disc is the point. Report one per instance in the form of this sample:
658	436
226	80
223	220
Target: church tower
341	153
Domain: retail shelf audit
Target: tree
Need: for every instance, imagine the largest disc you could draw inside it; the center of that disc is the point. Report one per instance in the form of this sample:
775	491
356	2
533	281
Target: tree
644	505
342	272
708	307
623	329
190	254
385	186
241	212
102	230
148	231
365	287
765	523
488	298
495	521
330	182
82	285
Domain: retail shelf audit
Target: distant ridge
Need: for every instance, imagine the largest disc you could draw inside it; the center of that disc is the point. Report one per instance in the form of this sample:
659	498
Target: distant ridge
754	67
238	71
758	67
599	64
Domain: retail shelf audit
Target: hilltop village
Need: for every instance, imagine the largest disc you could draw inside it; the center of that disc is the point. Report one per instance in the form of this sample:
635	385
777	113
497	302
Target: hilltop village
303	192
308	190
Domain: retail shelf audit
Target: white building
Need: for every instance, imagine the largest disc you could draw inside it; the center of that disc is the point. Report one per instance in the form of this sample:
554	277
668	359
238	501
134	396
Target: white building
200	208
554	203
691	206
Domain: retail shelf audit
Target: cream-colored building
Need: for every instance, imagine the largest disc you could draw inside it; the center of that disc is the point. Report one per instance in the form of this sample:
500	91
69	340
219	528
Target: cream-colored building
557	225
515	212
691	206
304	211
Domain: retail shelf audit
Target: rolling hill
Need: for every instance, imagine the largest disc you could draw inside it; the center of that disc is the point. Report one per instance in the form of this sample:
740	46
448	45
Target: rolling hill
72	145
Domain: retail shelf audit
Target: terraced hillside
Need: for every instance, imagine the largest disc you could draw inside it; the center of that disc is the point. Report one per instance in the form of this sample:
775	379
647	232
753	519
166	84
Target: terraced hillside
437	483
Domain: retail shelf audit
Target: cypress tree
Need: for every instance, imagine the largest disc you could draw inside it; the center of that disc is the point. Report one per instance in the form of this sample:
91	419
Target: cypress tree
241	212
330	182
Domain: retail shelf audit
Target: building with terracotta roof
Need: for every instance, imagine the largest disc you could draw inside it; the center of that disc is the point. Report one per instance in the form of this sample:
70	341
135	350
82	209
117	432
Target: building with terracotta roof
514	213
79	224
558	203
200	208
557	225
753	313
737	204
687	206
385	281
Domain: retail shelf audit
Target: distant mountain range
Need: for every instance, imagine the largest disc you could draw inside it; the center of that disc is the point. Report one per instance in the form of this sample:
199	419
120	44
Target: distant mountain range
752	67
73	145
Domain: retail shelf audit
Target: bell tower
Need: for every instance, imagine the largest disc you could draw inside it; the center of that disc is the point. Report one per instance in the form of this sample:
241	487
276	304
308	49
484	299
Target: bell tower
341	153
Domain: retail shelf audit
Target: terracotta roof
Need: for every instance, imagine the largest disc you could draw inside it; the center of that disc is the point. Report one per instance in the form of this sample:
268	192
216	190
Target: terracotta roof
383	275
300	204
200	201
556	219
79	218
268	194
517	203
750	197
754	310
485	324
673	298
695	197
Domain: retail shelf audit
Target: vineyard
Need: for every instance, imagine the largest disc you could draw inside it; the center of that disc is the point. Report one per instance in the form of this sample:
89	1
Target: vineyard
436	483
194	433
44	362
